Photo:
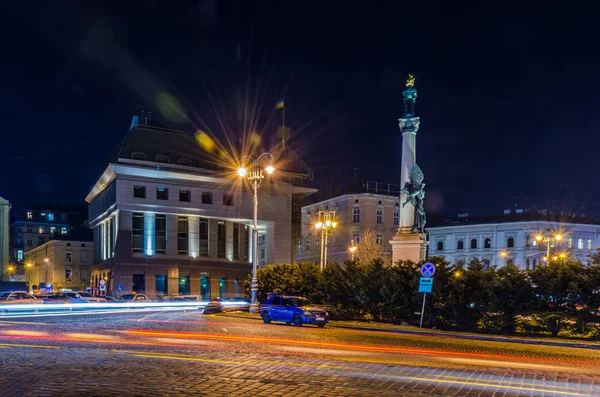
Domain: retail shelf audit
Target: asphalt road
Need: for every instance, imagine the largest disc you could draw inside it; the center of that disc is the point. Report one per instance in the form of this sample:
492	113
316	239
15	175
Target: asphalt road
181	353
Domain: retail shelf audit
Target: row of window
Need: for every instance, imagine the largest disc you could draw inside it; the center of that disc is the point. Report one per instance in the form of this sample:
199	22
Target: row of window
49	216
162	193
510	243
162	158
378	214
355	241
159	245
161	284
42	229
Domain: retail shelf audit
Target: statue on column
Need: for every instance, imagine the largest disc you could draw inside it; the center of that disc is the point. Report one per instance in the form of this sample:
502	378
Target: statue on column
414	190
409	96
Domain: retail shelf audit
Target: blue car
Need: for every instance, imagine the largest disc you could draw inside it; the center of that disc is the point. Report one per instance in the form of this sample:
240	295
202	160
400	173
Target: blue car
293	310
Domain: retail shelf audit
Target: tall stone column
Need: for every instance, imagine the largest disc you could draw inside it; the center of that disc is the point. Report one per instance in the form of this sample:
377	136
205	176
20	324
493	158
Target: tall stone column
410	243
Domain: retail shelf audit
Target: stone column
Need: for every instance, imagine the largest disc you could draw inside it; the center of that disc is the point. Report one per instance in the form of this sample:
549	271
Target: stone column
409	142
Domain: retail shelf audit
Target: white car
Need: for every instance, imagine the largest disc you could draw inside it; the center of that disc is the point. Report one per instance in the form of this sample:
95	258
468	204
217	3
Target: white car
91	298
17	297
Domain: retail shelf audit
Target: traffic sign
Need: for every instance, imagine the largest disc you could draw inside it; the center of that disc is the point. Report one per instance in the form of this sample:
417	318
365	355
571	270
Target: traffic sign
425	284
428	269
102	282
102	287
120	286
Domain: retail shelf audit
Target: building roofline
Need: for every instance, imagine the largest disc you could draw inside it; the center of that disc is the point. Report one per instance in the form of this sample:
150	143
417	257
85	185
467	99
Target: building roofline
510	223
390	197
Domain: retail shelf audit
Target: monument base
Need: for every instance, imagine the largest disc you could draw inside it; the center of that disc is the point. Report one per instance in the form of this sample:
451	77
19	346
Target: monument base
409	246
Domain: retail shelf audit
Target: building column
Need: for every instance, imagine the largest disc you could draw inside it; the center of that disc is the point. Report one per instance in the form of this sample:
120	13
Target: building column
149	232
194	236
212	238
229	240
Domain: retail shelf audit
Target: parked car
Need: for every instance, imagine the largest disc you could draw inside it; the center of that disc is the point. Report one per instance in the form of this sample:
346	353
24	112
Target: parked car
293	310
17	297
214	306
135	298
91	298
64	297
236	303
111	299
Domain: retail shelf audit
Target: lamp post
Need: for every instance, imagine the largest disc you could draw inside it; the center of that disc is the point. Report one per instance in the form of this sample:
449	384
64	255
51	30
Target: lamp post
548	240
352	249
325	224
253	171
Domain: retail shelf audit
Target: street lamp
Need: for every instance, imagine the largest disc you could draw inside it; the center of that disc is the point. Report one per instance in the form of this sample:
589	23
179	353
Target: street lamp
353	249
253	171
325	224
548	240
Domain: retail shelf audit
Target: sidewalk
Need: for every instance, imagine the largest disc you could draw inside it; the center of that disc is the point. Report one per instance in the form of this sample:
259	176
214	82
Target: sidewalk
407	330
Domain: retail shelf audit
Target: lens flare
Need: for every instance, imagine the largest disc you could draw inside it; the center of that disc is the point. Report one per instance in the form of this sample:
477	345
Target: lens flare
205	141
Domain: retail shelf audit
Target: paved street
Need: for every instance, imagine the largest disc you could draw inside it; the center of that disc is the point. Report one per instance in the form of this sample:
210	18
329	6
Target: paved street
187	353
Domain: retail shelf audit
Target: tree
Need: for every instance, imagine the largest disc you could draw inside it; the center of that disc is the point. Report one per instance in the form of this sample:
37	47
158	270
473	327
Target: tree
368	250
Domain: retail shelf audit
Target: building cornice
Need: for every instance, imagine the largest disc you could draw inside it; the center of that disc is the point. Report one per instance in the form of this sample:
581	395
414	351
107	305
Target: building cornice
504	226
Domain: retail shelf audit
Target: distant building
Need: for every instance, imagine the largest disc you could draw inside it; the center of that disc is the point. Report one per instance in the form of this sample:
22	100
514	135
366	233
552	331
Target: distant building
167	220
377	209
4	237
511	238
60	263
32	227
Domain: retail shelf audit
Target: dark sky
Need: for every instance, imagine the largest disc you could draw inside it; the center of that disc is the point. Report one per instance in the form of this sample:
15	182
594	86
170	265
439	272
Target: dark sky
508	94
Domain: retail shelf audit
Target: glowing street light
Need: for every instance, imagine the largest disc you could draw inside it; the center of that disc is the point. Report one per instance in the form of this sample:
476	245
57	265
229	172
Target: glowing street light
549	241
325	224
353	249
255	174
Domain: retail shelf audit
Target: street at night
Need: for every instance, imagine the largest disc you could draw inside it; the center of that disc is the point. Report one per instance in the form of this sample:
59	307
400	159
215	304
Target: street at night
188	353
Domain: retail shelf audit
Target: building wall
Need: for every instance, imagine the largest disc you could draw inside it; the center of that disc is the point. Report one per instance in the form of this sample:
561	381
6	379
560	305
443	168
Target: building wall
211	275
342	236
578	241
4	237
76	256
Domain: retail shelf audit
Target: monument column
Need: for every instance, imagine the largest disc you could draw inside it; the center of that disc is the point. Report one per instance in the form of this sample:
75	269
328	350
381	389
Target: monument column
410	243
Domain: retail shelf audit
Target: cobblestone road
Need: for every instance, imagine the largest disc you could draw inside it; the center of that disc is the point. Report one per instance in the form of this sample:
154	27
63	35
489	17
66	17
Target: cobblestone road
187	354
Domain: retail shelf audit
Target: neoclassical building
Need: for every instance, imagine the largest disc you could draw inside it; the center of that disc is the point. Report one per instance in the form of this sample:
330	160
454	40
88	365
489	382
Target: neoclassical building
512	240
354	213
167	220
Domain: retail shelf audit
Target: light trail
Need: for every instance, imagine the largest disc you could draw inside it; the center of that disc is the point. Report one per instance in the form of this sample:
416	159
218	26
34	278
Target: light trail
530	385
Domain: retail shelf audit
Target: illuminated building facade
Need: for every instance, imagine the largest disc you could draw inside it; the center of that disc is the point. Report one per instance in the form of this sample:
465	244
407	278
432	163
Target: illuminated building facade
166	221
4	239
377	209
511	239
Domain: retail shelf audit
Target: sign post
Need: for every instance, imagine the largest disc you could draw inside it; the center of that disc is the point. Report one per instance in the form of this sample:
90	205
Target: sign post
425	285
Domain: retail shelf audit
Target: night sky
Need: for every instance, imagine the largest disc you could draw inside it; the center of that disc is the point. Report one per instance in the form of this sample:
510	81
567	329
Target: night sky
508	96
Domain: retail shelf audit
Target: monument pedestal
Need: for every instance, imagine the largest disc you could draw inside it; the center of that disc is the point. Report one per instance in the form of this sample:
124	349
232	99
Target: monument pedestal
409	246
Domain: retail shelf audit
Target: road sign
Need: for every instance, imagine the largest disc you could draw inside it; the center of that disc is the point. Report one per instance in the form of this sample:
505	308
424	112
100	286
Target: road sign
428	269
88	290
102	282
425	284
102	287
120	287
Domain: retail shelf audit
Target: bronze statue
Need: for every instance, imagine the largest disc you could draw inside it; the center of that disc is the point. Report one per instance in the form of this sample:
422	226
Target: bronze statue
414	190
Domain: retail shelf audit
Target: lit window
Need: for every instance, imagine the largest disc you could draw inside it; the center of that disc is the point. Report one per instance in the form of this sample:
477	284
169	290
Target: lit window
41	230
380	216
63	230
570	243
19	255
29	215
589	244
50	217
43	214
68	257
580	243
52	229
356	214
162	193
356	238
534	243
68	274
396	218
379	238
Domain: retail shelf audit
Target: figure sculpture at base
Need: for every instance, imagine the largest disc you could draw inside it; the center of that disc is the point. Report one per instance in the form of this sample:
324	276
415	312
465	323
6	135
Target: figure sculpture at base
414	190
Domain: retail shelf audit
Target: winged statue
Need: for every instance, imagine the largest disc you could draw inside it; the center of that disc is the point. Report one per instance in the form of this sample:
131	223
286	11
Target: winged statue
414	190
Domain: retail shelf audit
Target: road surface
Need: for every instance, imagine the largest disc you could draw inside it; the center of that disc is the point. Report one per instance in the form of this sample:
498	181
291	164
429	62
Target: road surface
186	353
